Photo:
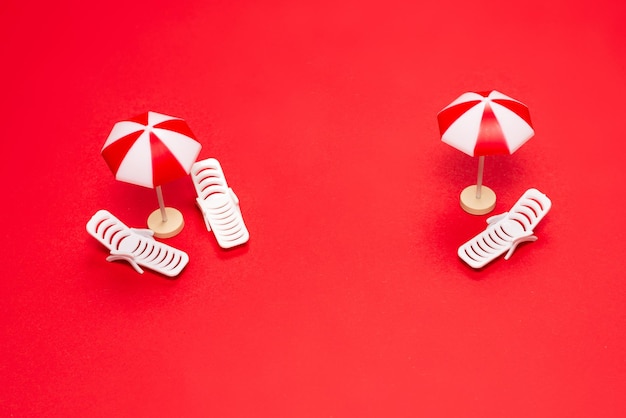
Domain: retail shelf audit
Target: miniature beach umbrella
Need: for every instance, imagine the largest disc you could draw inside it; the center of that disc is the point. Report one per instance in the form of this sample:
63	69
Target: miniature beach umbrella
149	150
481	124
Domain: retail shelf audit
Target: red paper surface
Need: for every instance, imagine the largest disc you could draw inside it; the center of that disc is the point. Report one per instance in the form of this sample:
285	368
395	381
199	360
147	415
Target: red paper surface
349	299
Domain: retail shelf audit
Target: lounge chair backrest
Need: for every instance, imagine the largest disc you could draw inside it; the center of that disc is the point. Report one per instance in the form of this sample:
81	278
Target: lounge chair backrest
530	209
208	178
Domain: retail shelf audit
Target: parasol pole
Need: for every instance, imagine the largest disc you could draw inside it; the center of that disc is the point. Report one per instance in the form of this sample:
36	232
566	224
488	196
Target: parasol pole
161	204
479	181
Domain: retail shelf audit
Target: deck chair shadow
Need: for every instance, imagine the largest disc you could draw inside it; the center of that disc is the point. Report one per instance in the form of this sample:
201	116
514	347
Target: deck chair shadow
506	231
219	204
135	246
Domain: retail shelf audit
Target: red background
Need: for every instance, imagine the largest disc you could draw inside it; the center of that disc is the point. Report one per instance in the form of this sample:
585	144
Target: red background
349	299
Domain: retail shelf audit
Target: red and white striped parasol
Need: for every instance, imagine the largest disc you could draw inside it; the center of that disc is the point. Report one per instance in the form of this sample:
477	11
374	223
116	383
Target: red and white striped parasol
149	150
481	124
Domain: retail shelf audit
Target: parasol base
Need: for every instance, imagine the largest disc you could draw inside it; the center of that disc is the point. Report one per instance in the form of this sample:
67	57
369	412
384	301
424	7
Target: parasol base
481	206
169	228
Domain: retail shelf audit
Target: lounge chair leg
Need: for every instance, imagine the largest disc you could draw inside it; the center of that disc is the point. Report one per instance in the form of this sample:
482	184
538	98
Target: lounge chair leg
124	257
496	218
204	217
234	196
530	238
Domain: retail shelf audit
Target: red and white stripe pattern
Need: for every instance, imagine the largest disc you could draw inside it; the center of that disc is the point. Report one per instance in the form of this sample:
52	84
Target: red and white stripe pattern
485	123
150	149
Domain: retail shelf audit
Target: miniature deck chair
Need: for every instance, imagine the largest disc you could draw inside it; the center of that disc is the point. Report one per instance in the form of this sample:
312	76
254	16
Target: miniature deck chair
219	204
136	246
506	231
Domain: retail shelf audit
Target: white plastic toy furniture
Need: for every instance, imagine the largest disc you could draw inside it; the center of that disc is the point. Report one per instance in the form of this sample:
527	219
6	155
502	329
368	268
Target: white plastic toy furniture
136	246
218	203
506	231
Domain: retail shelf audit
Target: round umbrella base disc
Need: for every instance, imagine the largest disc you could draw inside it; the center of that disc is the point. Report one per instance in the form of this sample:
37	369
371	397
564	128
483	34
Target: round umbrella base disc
168	229
481	206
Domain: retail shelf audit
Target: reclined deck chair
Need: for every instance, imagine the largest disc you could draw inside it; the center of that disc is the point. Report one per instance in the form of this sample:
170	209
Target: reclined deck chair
219	204
136	246
506	231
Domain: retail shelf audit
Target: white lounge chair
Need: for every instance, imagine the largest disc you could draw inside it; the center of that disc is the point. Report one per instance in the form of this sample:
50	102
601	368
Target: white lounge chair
219	204
136	246
506	231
